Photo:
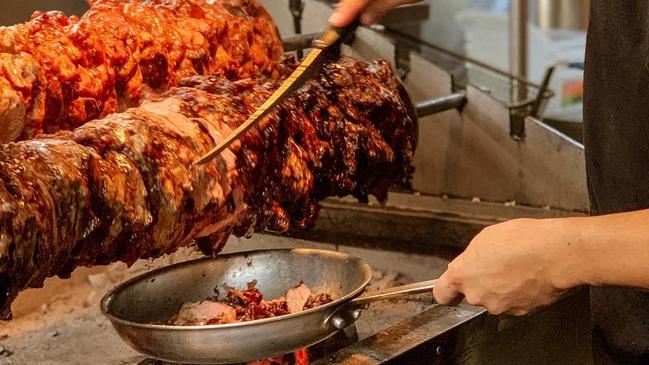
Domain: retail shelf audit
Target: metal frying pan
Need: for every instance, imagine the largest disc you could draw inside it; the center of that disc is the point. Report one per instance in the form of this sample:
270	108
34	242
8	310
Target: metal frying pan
155	296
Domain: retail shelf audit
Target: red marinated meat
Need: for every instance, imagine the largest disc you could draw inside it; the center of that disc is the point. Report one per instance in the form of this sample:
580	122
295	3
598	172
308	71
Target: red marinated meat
58	72
316	300
250	304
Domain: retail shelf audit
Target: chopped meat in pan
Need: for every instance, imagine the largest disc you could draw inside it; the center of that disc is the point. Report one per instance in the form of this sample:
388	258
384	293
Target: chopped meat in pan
242	305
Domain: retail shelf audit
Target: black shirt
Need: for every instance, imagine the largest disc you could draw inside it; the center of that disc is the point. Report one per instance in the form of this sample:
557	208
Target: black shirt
616	132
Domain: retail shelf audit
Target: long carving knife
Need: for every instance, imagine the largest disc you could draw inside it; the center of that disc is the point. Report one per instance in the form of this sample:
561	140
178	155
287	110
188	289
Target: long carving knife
323	47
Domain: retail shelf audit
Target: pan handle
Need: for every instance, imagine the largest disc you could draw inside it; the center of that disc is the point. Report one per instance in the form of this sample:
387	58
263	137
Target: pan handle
396	292
351	311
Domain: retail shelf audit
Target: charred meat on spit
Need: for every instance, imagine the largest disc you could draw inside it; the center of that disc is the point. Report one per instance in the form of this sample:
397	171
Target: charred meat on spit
124	187
58	72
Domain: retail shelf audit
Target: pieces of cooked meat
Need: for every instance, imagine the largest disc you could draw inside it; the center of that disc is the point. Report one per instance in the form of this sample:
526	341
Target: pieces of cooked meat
204	313
242	305
297	297
249	304
124	187
58	72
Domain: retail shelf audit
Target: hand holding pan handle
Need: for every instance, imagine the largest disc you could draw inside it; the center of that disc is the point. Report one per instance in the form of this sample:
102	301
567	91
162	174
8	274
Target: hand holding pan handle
351	311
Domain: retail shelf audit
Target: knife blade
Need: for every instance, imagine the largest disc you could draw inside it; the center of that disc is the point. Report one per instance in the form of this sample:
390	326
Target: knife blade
308	67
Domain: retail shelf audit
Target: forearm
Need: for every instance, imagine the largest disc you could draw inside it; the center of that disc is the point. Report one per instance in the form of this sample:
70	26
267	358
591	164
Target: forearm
603	250
516	266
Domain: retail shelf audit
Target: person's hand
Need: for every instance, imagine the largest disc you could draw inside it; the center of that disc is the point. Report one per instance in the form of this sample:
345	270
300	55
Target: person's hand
512	267
369	10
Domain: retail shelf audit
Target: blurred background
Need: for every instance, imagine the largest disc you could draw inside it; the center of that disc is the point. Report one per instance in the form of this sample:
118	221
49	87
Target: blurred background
491	33
488	31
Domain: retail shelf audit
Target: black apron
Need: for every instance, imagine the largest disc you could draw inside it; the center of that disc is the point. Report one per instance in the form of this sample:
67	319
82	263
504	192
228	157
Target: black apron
616	132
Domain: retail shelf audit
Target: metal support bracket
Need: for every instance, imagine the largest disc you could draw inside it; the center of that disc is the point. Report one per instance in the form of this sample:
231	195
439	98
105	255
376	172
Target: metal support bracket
438	105
297	9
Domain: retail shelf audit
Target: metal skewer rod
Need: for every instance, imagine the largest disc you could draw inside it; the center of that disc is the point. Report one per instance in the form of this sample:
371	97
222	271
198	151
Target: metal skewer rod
434	106
299	42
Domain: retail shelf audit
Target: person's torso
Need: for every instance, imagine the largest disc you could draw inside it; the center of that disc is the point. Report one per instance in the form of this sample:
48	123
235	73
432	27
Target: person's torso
616	133
616	106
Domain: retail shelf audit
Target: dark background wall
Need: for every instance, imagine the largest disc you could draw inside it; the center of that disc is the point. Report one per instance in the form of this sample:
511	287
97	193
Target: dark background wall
16	11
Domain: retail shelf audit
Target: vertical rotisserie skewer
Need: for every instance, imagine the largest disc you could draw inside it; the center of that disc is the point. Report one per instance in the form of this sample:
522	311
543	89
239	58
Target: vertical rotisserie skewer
124	187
